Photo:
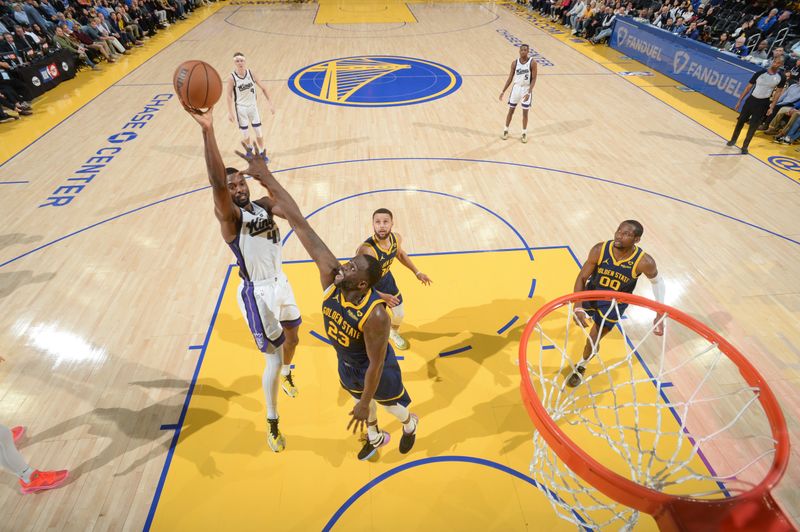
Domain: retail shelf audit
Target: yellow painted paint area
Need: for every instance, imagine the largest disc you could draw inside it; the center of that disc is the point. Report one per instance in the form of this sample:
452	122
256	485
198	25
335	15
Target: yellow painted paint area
66	98
363	12
709	113
468	403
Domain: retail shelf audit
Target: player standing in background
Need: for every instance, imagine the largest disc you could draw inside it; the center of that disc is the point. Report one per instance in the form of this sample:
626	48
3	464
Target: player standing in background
385	245
523	74
242	104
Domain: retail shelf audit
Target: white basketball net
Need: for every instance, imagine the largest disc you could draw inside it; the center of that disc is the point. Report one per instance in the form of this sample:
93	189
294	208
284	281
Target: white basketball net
671	413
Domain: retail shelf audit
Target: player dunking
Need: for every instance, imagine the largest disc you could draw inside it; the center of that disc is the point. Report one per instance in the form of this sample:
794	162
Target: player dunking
242	105
613	265
265	296
385	245
357	323
523	74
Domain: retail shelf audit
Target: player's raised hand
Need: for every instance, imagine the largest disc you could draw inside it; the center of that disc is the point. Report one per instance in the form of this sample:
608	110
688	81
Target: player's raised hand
204	118
360	414
424	279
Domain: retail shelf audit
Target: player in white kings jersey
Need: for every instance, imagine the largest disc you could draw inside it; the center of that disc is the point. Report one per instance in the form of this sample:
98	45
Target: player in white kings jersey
242	106
265	296
523	74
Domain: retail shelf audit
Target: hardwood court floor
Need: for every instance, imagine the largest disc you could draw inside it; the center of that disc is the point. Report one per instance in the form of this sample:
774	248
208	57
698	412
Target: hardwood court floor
103	296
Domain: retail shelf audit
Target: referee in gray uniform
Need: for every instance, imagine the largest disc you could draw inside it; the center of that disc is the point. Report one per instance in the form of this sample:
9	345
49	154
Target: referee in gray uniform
756	106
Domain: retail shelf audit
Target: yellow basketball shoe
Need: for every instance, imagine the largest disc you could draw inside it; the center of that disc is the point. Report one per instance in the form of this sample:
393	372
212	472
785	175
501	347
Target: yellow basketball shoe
287	383
399	342
275	439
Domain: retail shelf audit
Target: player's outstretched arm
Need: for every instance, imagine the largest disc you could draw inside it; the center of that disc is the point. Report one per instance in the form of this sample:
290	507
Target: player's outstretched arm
406	261
226	212
286	207
583	277
376	338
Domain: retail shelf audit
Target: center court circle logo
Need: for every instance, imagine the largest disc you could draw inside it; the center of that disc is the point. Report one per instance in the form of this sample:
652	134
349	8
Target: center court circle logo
785	163
374	81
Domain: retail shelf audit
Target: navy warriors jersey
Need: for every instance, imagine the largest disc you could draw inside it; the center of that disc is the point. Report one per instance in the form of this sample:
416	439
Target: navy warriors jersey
385	256
616	274
344	323
257	247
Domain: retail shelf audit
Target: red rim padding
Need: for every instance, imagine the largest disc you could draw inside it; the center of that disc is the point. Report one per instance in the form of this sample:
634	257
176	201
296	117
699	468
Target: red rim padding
754	510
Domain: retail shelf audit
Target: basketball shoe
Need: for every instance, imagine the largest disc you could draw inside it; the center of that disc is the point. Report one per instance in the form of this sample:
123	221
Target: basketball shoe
287	383
398	341
17	433
370	448
44	480
275	439
408	438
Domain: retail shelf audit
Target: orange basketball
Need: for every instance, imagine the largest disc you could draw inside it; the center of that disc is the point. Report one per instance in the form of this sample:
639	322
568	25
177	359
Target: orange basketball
197	84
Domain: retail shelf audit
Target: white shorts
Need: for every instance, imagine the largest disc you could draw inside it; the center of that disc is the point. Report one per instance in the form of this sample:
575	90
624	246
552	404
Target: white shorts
268	307
248	115
520	93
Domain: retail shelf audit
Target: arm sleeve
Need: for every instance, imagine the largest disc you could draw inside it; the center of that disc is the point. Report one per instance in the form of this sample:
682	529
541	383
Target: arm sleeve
659	288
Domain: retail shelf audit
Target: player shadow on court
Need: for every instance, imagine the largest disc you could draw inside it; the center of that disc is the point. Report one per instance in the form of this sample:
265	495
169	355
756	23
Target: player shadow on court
11	281
232	328
682	138
12	239
130	429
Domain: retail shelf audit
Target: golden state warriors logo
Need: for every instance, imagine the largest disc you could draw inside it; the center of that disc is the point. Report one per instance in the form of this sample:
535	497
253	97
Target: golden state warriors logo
374	81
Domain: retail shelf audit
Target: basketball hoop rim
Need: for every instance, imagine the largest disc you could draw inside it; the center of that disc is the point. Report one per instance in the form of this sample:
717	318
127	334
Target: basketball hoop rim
619	488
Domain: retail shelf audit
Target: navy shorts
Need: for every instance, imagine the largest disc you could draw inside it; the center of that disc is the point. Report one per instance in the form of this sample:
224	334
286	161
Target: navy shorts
387	285
599	309
390	388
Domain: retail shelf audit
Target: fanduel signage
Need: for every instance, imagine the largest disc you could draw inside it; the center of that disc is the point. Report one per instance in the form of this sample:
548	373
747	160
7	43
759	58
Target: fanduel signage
718	75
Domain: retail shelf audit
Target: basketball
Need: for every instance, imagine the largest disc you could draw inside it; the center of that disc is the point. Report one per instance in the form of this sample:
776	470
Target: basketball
197	84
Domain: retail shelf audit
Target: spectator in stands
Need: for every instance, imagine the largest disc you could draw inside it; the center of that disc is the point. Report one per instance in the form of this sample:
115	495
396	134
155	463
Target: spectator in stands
596	23
661	17
759	55
13	91
79	50
669	26
748	29
13	46
692	32
739	48
35	16
48	10
577	11
607	26
766	22
723	42
680	26
21	36
780	24
98	46
98	33
20	16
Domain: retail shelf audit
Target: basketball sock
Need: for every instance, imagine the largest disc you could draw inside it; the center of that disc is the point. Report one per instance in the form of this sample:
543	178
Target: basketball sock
372	432
286	369
410	426
269	381
525	131
10	458
398	411
505	129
